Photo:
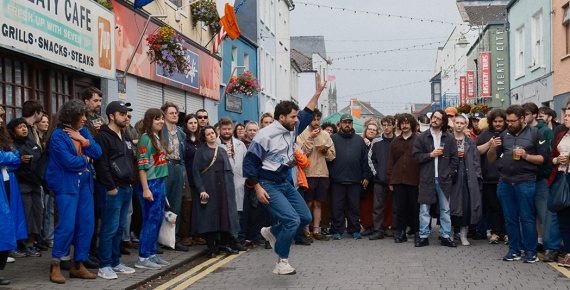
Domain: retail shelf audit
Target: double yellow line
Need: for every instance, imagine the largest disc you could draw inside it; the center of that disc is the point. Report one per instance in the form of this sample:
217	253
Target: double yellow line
187	277
565	271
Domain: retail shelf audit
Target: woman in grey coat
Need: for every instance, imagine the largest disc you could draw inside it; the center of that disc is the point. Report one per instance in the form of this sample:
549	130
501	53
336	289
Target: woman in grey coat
216	213
466	197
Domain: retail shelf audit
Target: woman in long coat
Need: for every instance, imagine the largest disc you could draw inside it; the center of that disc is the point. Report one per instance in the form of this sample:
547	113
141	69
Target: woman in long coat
216	212
465	203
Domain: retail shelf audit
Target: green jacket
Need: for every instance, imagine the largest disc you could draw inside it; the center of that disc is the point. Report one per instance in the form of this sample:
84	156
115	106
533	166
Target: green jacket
545	169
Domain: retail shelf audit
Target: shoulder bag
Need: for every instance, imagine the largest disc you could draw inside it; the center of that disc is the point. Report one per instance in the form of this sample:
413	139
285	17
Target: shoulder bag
559	197
213	160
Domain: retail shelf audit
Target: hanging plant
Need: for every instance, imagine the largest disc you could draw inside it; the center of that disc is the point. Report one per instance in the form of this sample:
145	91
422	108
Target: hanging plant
485	109
465	108
205	10
167	50
106	3
245	84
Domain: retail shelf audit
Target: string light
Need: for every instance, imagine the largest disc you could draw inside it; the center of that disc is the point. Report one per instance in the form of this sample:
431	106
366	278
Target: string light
384	89
388	50
384	70
382	14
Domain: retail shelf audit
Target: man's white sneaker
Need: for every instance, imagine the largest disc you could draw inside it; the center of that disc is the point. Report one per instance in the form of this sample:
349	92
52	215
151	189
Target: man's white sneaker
10	260
283	268
268	235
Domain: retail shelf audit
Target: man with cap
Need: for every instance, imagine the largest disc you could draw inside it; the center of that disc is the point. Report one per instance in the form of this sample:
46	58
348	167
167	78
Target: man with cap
349	172
116	175
475	131
451	112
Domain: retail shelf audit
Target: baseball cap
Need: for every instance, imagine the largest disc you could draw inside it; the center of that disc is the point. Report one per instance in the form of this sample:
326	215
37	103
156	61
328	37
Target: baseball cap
451	111
345	116
118	106
478	116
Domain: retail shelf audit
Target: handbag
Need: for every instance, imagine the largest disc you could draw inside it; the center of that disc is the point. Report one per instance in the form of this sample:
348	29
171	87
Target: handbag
559	197
167	233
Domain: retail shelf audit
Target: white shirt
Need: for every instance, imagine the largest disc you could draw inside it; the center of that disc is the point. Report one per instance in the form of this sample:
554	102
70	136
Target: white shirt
436	143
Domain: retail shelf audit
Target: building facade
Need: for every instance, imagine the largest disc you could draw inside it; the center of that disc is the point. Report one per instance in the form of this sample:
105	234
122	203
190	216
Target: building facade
560	54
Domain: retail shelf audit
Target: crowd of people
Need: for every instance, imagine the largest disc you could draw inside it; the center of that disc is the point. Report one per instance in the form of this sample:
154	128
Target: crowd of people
102	184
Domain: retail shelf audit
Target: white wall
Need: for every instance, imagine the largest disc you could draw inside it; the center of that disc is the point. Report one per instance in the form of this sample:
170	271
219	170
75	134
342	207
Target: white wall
282	50
321	66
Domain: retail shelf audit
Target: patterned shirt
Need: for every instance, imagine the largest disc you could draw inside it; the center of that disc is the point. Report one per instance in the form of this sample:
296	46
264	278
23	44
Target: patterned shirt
154	163
173	145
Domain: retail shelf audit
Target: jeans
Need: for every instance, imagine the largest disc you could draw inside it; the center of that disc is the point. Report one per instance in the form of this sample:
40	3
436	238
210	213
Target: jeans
114	209
341	195
153	214
126	236
289	207
48	223
444	214
174	186
518	202
76	221
551	237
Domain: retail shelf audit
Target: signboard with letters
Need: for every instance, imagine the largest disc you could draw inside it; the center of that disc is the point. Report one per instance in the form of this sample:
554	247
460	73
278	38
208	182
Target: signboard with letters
234	104
72	33
470	84
462	90
485	75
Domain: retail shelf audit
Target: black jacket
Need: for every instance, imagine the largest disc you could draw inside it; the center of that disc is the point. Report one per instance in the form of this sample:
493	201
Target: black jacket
114	149
28	175
351	162
489	170
446	167
378	158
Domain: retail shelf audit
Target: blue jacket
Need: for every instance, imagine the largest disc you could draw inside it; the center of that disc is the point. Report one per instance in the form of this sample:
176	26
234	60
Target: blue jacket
264	159
62	175
13	212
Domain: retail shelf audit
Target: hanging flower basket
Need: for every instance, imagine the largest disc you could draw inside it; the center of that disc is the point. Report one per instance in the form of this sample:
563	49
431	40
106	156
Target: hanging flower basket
245	84
166	49
206	11
106	3
464	108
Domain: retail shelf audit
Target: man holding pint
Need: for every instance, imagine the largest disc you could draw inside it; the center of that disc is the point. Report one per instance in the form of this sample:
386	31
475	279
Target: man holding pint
519	151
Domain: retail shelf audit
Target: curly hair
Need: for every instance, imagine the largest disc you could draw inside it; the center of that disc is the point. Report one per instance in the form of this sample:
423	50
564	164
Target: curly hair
372	121
72	111
5	140
408	118
149	117
202	136
329	124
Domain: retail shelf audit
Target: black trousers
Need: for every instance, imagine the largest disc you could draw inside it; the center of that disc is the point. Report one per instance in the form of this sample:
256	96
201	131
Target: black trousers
210	238
492	206
3	258
341	195
408	213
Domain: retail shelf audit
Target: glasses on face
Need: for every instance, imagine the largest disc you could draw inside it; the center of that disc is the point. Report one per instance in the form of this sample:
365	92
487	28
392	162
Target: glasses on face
436	118
202	117
129	116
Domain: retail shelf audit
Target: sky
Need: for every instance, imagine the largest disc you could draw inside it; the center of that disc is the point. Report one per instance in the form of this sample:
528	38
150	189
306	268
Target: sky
349	34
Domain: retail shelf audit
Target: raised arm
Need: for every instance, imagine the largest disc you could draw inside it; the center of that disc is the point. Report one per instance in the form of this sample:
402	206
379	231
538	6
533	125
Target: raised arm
315	99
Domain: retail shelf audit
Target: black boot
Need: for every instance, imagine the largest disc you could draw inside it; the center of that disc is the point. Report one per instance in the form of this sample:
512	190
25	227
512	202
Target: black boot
401	238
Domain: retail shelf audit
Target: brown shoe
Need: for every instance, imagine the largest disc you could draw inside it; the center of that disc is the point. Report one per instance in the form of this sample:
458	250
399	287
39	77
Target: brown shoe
186	241
79	271
55	274
129	245
198	241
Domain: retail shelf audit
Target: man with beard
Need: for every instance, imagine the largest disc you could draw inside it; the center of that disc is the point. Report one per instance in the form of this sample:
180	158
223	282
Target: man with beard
236	153
116	176
490	171
436	152
549	236
520	150
348	172
175	139
318	146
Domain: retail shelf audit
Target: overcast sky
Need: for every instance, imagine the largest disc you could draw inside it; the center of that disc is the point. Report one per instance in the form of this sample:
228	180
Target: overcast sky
348	33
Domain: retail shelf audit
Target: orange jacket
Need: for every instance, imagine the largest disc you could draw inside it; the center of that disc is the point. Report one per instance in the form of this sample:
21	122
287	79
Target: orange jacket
302	162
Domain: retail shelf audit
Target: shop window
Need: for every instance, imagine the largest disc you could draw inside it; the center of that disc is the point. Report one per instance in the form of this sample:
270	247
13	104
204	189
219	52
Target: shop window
566	23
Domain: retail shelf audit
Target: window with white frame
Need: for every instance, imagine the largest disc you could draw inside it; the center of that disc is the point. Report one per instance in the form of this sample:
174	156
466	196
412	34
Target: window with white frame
267	12
261	72
268	73
519	51
537	42
246	61
262	11
566	23
273	83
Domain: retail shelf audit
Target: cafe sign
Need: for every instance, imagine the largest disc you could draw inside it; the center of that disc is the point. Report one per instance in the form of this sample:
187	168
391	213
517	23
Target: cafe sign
73	33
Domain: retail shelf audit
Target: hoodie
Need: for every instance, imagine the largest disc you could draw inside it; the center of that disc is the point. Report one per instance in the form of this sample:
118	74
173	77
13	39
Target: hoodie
114	148
351	162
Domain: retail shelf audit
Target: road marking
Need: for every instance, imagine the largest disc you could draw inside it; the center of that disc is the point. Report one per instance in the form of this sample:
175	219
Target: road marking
206	272
188	273
555	266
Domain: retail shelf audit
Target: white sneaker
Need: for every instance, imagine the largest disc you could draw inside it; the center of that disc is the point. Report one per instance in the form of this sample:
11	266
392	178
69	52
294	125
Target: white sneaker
107	273
10	260
268	235
283	268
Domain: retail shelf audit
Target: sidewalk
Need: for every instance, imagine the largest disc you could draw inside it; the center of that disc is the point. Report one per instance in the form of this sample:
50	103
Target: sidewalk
33	272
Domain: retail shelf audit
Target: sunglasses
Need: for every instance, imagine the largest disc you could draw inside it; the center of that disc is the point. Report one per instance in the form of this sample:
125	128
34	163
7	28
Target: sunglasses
202	117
